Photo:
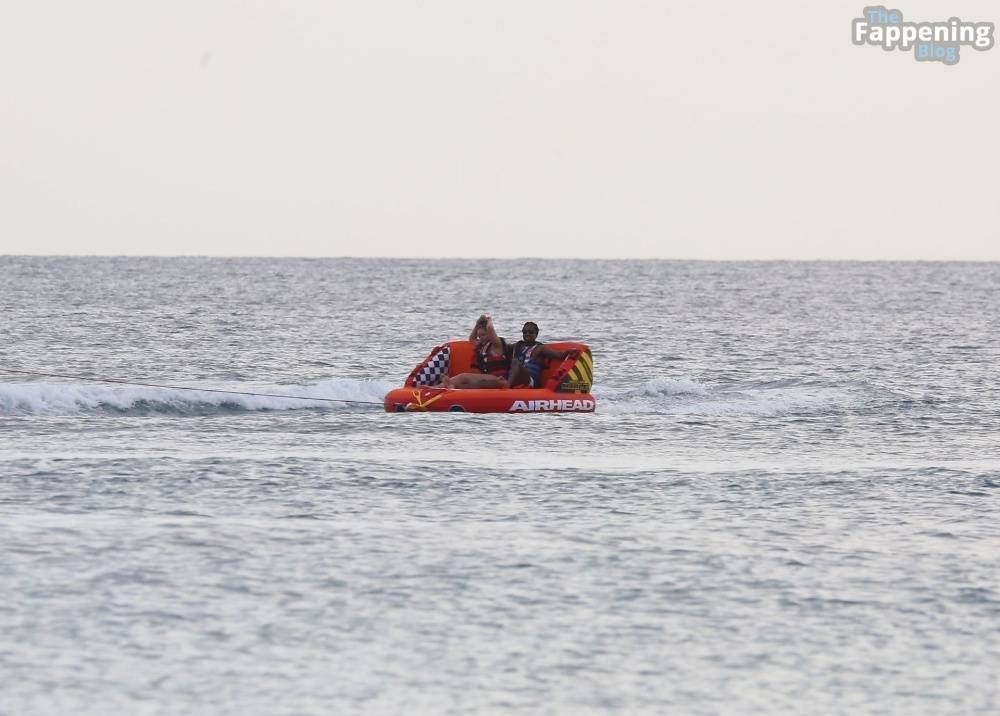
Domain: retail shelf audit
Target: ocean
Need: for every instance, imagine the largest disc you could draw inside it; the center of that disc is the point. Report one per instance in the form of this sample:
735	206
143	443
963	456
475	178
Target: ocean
786	502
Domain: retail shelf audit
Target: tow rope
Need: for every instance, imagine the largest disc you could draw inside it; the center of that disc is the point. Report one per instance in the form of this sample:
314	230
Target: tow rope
4	369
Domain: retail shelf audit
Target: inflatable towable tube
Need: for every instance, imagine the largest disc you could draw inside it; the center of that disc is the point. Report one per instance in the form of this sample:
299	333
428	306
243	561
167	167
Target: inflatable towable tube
566	385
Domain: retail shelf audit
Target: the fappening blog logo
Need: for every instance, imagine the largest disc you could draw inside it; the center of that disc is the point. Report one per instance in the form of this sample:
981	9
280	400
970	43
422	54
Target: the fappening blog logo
930	41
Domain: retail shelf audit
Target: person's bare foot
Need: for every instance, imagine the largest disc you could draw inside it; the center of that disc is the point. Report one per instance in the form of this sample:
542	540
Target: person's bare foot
445	382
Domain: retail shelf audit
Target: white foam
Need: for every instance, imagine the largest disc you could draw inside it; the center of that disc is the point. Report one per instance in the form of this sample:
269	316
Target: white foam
667	386
71	398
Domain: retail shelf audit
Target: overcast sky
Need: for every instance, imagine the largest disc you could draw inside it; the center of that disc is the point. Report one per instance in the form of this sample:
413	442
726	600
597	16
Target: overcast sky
670	129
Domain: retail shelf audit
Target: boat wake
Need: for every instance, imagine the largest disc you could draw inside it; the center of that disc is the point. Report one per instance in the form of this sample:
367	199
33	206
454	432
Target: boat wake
661	395
43	398
685	396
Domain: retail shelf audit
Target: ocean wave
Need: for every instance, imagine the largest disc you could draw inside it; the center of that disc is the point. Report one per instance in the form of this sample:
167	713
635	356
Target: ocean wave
38	398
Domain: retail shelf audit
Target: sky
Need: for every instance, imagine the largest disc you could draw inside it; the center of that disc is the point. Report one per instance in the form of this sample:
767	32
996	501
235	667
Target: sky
673	129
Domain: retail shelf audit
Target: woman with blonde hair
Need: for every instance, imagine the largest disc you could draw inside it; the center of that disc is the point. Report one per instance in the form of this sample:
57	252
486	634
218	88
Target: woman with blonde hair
492	359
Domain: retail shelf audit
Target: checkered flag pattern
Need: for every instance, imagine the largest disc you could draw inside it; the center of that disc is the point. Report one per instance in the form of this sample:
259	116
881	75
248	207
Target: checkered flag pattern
434	370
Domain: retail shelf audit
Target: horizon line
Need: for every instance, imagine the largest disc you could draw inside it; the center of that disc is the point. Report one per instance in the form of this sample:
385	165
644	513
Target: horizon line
501	258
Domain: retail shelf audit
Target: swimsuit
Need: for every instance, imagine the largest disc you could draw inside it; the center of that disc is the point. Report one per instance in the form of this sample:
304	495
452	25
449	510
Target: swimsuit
525	353
492	364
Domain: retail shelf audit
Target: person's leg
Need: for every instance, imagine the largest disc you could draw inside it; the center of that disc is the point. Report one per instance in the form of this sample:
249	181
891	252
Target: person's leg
519	375
482	380
475	380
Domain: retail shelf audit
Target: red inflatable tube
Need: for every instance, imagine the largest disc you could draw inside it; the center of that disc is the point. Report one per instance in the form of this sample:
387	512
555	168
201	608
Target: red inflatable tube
567	385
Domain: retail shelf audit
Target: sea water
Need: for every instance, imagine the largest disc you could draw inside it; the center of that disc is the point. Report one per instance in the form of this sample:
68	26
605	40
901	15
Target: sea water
786	502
